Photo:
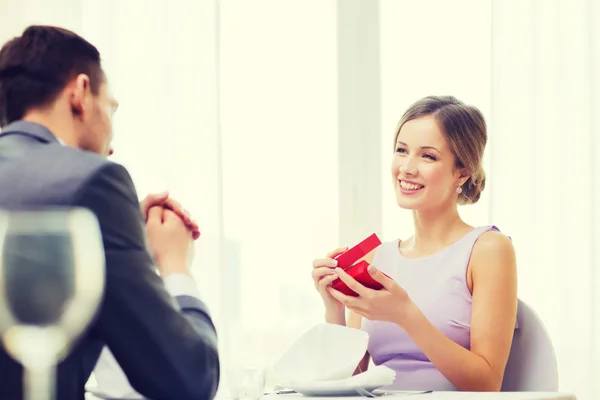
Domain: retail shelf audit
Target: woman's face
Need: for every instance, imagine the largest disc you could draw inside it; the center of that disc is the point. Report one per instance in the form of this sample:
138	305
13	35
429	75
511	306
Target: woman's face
423	166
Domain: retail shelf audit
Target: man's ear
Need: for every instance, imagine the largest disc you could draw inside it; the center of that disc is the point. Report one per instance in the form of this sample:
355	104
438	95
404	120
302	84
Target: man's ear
80	94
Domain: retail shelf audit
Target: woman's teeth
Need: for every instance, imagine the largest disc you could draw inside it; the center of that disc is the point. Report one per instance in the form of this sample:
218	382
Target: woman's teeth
410	186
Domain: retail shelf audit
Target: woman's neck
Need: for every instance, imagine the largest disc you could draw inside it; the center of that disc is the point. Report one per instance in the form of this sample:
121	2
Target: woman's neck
436	229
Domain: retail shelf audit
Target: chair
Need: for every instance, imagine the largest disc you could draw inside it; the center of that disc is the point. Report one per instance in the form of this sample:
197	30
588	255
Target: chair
532	363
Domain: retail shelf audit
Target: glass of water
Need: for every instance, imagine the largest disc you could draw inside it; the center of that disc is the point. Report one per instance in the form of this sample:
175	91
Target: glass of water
247	382
52	272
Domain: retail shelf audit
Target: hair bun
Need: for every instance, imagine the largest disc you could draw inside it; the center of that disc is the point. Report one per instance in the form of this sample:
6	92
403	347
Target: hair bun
472	188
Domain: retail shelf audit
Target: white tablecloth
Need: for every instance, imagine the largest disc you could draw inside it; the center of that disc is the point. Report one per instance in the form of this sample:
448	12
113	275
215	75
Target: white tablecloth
442	396
425	396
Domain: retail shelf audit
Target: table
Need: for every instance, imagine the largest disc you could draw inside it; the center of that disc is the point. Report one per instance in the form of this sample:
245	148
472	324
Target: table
441	396
422	396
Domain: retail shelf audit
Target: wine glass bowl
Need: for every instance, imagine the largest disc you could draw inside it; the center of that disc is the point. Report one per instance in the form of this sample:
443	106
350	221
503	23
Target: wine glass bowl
52	276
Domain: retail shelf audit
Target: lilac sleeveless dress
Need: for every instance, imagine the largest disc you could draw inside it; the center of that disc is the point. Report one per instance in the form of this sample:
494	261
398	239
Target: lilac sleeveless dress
437	284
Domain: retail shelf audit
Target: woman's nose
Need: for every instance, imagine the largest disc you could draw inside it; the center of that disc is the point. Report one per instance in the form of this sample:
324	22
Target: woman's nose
408	167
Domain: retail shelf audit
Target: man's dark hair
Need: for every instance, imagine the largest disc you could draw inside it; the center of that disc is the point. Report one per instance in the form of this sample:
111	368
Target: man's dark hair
36	66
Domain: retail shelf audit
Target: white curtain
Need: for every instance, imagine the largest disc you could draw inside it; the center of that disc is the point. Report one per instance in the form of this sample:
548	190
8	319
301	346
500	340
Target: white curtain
545	173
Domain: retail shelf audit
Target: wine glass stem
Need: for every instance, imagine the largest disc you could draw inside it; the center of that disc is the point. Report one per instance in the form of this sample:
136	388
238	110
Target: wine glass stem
39	382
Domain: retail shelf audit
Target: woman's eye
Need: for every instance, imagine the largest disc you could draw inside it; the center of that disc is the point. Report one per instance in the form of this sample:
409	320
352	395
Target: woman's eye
400	150
430	156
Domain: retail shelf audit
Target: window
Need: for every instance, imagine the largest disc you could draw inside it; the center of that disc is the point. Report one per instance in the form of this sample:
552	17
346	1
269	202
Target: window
280	165
165	131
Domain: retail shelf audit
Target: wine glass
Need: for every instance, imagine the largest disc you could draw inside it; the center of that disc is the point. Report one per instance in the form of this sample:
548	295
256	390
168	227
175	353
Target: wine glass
52	273
246	382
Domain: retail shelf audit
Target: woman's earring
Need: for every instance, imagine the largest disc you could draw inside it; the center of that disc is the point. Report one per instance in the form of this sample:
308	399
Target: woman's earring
459	190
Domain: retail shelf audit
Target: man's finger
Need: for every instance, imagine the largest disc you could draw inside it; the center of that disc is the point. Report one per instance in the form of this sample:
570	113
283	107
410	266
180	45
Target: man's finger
175	206
196	234
153	200
352	283
157	197
192	224
155	214
185	215
382	278
170	215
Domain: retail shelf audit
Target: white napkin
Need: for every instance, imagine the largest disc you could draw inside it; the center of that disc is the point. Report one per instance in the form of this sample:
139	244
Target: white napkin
111	380
374	376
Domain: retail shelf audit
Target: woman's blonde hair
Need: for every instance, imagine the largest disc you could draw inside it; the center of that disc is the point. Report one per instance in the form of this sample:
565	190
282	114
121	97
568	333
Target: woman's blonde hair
466	131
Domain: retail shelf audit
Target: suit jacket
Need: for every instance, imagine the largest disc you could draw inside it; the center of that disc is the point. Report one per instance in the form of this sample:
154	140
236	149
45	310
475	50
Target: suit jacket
166	347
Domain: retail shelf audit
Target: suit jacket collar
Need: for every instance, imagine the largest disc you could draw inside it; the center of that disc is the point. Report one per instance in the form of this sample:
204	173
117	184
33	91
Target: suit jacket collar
35	130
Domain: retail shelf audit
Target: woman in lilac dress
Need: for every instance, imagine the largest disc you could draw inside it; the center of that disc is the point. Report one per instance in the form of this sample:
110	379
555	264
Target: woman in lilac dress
446	316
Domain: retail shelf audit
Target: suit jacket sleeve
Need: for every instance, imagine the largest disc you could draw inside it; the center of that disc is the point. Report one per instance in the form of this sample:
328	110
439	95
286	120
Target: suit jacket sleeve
167	350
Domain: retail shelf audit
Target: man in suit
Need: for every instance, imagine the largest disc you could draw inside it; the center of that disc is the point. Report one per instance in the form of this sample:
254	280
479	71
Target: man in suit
56	110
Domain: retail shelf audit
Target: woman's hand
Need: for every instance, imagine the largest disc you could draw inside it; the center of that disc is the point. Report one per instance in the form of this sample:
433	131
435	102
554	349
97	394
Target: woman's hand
323	274
391	303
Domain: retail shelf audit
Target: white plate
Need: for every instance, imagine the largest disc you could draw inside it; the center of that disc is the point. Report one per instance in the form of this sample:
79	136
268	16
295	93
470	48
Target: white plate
333	390
371	379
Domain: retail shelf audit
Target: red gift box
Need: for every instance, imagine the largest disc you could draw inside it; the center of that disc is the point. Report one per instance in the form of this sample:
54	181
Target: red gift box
353	254
358	271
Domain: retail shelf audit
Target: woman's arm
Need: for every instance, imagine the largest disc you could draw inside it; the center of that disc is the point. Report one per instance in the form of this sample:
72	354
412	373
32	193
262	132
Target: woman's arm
494	309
